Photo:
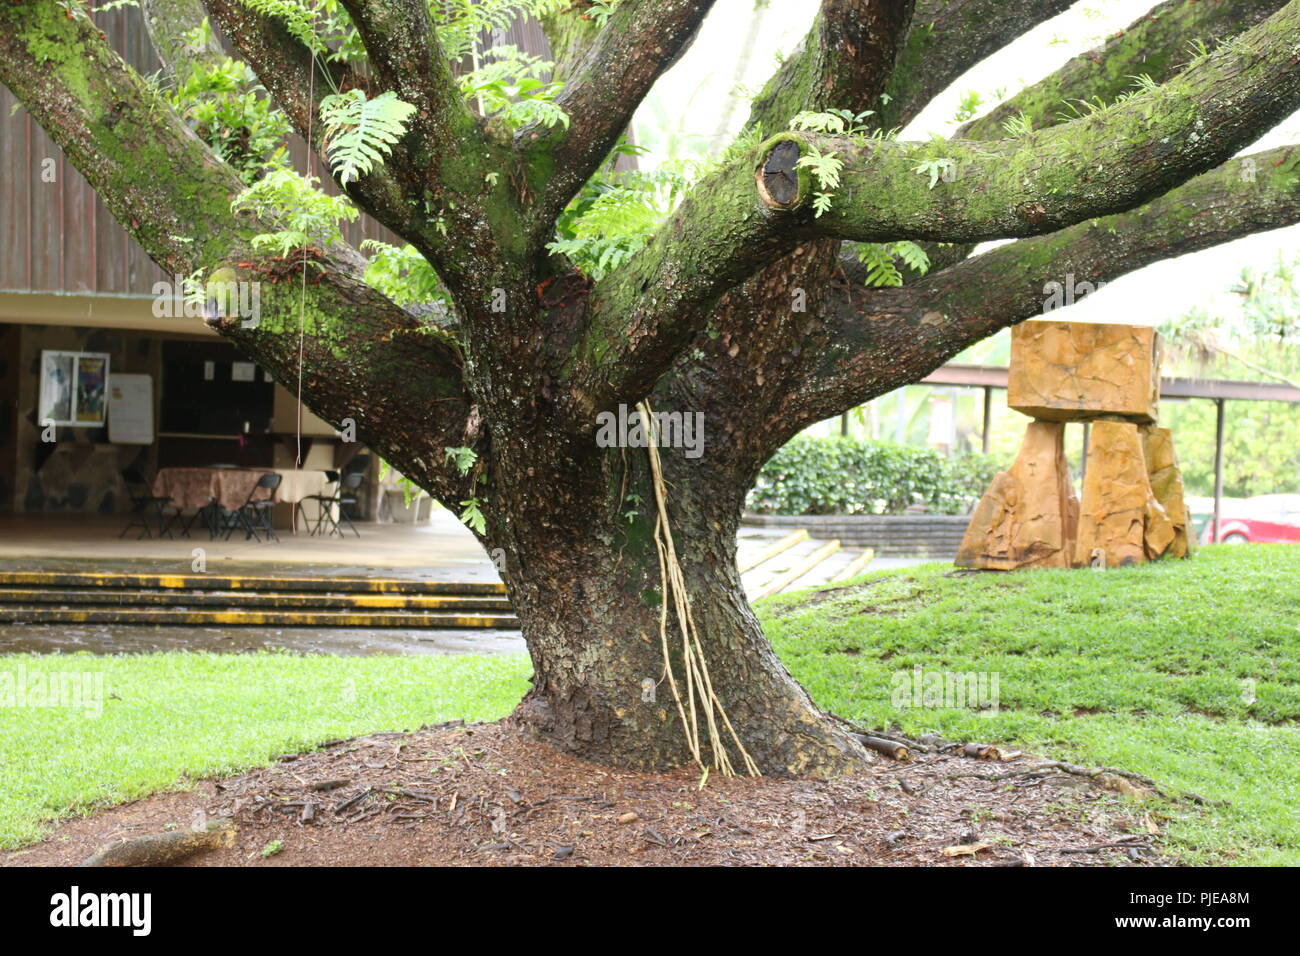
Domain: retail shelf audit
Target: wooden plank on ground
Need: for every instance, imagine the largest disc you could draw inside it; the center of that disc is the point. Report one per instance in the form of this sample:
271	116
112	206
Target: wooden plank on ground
783	581
772	550
854	567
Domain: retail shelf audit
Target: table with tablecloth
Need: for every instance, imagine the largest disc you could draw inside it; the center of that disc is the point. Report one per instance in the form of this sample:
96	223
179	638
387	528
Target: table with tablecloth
194	488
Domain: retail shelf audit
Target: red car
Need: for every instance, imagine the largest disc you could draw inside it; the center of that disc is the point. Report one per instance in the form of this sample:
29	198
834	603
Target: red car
1264	519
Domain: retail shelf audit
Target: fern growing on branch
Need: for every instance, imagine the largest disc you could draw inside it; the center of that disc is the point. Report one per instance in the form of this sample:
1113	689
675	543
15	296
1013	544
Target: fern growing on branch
297	18
460	22
617	212
882	269
305	214
360	132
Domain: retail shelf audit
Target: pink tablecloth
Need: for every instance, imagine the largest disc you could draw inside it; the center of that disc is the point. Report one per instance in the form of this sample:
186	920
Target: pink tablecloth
192	488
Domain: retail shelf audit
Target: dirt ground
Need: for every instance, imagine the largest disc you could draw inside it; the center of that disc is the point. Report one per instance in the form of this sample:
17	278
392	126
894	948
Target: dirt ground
481	795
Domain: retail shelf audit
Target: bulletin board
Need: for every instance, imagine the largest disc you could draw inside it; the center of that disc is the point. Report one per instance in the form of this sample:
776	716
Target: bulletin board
130	410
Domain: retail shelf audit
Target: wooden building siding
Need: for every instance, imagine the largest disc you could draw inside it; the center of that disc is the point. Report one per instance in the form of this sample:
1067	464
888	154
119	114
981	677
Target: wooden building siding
59	237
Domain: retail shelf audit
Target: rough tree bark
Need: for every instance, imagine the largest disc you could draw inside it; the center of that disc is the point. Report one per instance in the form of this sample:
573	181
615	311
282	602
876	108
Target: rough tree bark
705	319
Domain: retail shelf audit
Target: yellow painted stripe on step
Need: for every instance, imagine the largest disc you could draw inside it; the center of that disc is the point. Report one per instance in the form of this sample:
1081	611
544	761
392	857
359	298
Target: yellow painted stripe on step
245	618
225	582
772	550
252	599
799	570
854	567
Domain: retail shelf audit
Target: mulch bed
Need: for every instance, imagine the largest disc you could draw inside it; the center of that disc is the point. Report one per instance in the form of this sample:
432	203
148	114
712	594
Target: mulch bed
482	795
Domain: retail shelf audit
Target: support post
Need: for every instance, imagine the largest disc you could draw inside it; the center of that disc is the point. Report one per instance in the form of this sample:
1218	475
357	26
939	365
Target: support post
988	418
1218	468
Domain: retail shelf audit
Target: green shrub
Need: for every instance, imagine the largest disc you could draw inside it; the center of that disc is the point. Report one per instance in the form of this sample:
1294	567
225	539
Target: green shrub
822	476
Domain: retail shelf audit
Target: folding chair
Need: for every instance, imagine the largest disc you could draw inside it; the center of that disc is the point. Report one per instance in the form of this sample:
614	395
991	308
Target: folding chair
329	505
209	515
145	505
256	513
332	481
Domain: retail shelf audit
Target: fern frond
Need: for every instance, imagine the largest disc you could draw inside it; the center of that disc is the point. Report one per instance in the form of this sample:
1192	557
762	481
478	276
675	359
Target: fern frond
304	213
879	259
459	23
360	132
297	19
1018	126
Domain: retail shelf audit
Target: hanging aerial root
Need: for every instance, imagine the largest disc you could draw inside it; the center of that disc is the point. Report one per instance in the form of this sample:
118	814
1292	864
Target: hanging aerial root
699	688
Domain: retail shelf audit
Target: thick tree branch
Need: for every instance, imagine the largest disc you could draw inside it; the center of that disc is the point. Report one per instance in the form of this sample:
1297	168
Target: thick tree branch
944	40
298	80
947	38
881	337
640	41
656	300
1157	45
169	23
173	196
406	58
647	310
843	63
640	315
1103	163
570	32
436	184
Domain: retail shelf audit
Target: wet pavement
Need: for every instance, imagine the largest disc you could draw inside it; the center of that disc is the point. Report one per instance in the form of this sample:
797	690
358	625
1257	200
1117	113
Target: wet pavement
343	642
442	550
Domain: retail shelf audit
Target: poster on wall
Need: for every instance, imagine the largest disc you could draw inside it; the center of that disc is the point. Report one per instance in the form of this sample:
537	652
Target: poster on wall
92	389
130	409
74	388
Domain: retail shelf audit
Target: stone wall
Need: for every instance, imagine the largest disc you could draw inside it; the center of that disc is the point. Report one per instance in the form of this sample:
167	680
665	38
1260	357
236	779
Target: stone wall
895	536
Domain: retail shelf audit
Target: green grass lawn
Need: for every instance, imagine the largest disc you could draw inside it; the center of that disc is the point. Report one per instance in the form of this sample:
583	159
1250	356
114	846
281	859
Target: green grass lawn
1188	672
176	715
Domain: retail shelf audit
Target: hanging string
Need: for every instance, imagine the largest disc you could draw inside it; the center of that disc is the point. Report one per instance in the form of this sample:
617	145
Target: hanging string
302	292
302	298
696	668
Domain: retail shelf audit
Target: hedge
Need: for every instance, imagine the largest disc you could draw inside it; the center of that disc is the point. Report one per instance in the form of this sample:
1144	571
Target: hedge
823	476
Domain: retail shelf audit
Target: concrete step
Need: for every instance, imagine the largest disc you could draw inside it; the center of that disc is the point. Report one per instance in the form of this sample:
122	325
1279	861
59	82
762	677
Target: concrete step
223	617
226	582
263	600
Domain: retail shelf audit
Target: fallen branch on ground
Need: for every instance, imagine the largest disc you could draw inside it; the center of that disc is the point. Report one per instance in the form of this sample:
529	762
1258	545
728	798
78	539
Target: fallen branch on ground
160	849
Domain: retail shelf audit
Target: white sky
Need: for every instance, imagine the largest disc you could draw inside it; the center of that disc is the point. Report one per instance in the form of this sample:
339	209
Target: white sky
681	116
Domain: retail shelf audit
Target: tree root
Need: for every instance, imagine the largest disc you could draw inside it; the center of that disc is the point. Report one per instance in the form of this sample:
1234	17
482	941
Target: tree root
1125	782
161	849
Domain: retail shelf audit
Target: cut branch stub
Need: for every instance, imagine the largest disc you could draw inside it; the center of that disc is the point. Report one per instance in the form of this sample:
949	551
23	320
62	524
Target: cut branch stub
778	179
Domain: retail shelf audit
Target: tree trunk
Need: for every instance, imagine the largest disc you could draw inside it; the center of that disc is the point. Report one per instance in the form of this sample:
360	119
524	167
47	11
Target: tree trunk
586	584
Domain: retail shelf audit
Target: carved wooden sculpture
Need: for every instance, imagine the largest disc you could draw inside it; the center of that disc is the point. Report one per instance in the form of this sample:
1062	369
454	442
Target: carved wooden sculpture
1132	508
